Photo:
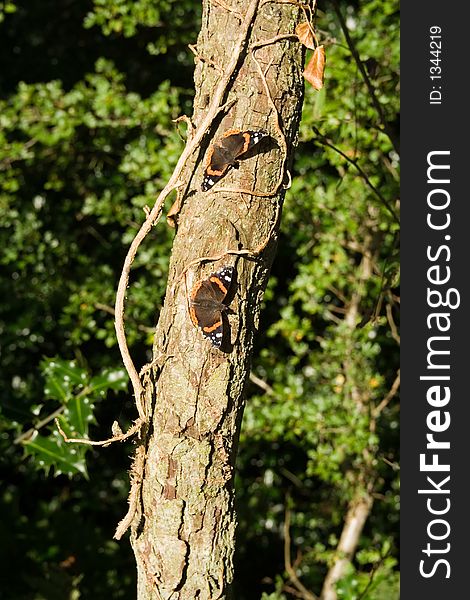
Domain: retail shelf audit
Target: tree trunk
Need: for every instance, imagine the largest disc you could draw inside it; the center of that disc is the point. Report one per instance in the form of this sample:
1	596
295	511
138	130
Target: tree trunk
183	531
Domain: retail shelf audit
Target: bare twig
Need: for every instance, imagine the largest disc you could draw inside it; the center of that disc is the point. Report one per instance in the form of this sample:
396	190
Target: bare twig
281	136
261	384
304	593
291	477
39	425
208	61
391	394
291	590
378	107
136	480
228	8
116	438
391	322
395	466
236	252
326	142
372	575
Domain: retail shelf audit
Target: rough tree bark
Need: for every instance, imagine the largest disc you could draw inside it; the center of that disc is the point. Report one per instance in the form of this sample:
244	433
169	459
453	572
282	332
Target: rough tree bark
183	529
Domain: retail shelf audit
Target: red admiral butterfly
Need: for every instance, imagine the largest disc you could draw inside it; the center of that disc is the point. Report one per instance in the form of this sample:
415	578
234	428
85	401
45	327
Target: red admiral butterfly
207	304
224	153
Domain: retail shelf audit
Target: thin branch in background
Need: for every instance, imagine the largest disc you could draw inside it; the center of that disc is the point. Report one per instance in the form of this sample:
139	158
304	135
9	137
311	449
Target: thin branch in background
291	590
303	592
338	293
330	315
395	466
110	310
7	162
385	289
372	575
326	142
261	384
360	65
393	326
99	238
390	168
28	434
332	308
391	394
291	477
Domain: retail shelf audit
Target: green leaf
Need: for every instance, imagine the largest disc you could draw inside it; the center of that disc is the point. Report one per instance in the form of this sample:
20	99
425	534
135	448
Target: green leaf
109	379
78	415
61	378
53	452
71	386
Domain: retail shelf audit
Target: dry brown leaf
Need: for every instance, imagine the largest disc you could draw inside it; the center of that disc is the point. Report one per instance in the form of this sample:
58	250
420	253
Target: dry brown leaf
315	70
172	214
305	34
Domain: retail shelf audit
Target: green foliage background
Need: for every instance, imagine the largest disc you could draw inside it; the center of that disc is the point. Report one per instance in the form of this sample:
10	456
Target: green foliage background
88	91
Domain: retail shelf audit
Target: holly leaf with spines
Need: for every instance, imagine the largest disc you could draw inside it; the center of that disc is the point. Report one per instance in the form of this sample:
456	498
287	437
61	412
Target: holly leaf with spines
78	393
61	377
53	451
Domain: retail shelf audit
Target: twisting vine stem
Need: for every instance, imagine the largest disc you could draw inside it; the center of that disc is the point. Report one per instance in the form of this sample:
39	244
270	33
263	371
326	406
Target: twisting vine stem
152	219
155	214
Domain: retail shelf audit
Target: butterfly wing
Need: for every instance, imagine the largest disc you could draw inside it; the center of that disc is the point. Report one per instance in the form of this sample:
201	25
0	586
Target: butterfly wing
252	138
206	304
220	283
225	151
221	156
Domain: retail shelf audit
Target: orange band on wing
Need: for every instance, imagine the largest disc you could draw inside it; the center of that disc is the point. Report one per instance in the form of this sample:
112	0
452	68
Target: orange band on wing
192	314
217	281
246	137
212	327
214	172
195	289
210	152
231	132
